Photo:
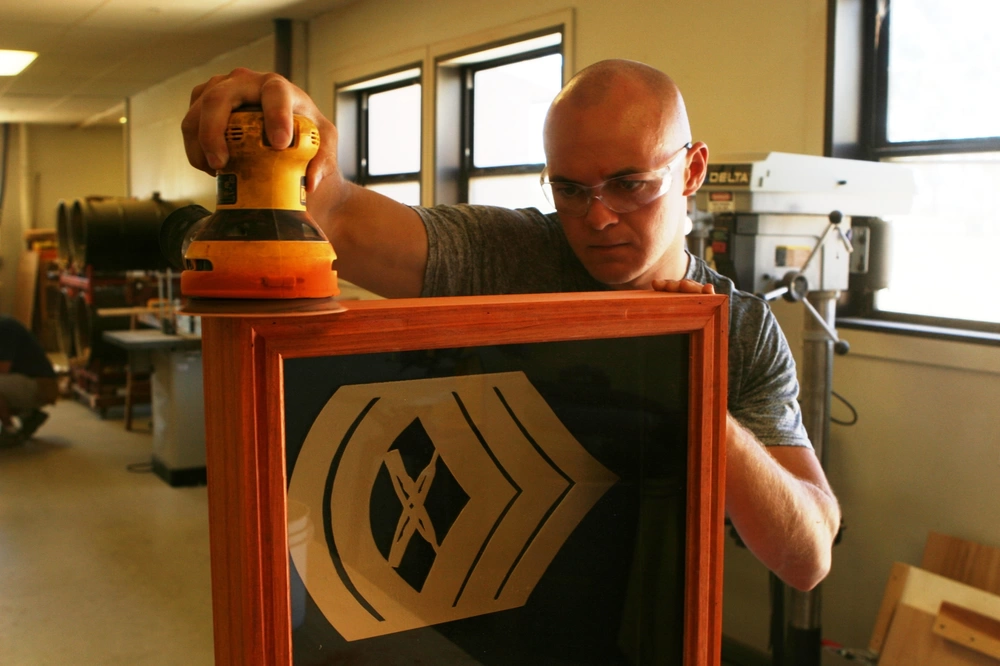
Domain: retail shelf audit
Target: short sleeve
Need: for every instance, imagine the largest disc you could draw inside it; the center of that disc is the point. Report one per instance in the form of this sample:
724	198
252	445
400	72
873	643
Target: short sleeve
765	399
483	250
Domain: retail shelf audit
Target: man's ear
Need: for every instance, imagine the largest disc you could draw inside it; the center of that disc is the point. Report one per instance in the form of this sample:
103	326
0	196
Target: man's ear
697	168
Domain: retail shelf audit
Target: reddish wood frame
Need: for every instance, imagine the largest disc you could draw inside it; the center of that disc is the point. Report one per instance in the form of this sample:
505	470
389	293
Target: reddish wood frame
243	374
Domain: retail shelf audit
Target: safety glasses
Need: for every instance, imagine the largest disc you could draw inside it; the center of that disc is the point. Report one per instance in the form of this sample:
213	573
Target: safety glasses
622	194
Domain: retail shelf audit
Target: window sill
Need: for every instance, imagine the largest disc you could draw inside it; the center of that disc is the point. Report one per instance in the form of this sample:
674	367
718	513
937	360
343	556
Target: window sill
920	330
922	345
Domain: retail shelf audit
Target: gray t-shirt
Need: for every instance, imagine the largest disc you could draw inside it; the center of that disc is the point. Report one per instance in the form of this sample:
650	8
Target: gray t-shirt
479	250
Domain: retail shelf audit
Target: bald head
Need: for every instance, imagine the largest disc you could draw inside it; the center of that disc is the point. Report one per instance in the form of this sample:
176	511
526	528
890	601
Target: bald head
624	122
631	91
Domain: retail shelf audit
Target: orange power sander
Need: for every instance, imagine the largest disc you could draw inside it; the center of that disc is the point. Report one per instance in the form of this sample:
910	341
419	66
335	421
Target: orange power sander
260	250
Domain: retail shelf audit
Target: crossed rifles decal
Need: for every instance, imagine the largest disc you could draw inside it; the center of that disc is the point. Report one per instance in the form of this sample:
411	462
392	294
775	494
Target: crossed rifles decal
411	493
435	500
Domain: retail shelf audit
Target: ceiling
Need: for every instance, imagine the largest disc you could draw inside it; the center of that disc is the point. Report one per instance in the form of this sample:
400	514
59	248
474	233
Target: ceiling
92	54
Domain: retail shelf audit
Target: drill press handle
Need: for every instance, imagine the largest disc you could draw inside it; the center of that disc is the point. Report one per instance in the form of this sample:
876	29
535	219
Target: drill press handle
794	286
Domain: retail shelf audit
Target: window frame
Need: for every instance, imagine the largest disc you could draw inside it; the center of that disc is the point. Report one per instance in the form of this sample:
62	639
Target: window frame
351	119
880	15
467	168
867	139
364	177
450	178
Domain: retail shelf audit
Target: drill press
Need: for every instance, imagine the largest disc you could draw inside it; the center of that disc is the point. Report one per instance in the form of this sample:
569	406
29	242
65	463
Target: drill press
781	226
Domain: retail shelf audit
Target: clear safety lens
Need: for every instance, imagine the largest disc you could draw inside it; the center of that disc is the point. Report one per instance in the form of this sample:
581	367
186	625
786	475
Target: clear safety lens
622	194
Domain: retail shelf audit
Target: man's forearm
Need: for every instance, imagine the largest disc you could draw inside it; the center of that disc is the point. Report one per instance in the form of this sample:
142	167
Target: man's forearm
381	245
782	507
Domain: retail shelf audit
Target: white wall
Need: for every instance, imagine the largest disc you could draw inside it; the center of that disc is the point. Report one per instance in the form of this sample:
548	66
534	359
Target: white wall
47	163
752	72
72	162
925	452
157	161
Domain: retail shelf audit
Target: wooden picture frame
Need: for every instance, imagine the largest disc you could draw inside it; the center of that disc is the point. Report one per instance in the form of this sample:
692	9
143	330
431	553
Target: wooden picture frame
246	465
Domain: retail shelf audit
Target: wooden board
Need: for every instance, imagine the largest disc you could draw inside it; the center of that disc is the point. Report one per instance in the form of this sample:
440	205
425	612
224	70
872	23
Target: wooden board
968	628
965	561
26	287
912	599
912	642
890	600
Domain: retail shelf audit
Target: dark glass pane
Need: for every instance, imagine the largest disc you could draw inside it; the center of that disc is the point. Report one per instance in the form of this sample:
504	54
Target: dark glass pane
464	475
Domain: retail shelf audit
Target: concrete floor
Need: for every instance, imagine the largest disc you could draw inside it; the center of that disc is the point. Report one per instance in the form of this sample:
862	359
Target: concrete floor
99	564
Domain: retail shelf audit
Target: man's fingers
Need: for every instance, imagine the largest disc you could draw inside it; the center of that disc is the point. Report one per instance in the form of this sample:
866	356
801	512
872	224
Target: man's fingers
665	285
197	91
212	102
692	287
683	287
277	99
241	87
325	162
192	147
190	126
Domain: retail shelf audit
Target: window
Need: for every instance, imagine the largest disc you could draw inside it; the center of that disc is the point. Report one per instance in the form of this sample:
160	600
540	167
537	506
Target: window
502	95
383	113
932	97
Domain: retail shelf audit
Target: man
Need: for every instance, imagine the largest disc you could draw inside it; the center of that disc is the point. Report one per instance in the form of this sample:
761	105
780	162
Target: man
620	165
27	382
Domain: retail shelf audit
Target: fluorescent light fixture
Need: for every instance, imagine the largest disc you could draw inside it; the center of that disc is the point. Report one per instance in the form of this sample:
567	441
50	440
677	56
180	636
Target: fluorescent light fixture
13	62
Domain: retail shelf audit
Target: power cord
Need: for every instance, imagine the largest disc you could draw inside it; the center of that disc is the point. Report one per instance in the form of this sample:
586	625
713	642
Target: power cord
140	467
854	412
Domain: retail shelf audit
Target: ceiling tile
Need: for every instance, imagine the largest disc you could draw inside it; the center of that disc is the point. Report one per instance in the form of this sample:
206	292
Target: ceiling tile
61	12
108	49
27	36
153	15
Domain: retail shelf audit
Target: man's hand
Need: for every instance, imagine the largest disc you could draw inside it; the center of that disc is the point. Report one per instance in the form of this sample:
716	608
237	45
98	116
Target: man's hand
381	245
683	287
204	125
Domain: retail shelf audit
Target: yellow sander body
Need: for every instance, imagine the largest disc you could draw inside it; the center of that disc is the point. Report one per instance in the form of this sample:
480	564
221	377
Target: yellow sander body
261	243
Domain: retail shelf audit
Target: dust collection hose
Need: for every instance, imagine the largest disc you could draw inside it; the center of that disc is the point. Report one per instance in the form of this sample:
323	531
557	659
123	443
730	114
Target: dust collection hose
177	230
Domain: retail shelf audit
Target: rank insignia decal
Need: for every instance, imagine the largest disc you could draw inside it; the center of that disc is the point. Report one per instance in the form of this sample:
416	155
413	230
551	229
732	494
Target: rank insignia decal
435	500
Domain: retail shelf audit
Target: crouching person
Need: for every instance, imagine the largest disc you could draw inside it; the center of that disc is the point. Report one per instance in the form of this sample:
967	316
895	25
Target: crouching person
27	383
